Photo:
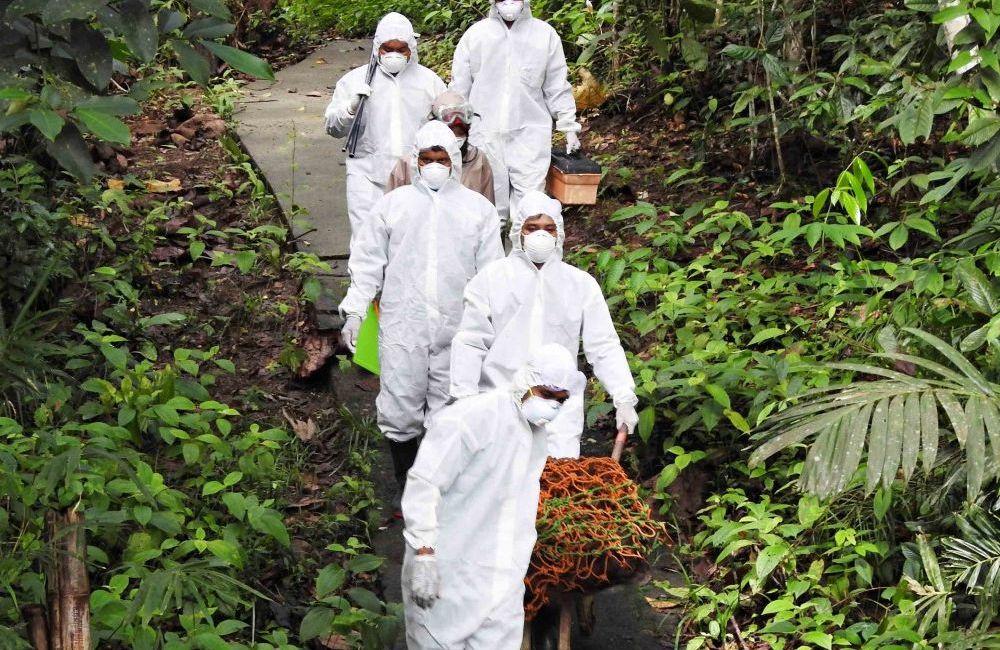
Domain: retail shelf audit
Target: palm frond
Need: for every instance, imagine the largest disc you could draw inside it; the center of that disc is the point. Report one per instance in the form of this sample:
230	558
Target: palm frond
897	415
973	560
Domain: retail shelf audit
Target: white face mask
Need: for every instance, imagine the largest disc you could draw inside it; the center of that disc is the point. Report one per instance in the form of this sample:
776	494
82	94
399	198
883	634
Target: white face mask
539	246
392	62
539	411
434	175
510	9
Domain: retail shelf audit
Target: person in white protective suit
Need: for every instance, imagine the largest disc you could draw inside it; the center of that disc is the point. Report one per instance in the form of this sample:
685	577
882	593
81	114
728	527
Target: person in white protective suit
399	102
512	68
469	510
419	247
530	298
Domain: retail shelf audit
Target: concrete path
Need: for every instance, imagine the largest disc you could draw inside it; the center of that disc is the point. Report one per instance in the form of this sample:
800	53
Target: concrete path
281	125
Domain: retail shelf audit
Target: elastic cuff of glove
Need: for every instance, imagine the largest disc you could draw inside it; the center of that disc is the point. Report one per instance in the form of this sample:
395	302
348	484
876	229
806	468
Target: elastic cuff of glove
625	399
568	126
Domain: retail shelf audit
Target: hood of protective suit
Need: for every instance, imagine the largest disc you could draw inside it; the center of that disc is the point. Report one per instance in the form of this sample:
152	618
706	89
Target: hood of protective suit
532	204
447	99
550	365
525	14
396	27
436	134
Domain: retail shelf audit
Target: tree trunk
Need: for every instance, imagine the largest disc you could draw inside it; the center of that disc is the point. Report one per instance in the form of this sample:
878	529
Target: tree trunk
34	616
68	585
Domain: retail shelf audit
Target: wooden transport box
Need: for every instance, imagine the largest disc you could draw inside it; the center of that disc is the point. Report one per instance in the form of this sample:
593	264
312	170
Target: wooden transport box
573	179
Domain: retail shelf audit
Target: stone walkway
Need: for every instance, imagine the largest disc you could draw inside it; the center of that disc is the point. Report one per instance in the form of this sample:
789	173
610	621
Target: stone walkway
281	125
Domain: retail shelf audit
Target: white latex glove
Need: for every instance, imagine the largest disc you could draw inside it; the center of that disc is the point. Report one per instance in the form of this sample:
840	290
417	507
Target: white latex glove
349	332
572	142
425	582
362	90
625	415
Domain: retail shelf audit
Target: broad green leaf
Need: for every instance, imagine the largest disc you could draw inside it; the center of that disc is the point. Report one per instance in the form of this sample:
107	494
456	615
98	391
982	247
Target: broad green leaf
215	8
851	448
364	563
766	334
269	521
797	434
111	104
877	443
894	440
92	54
49	123
647	418
107	127
981	291
225	551
911	435
768	560
212	487
925	116
194	64
820	639
907	125
956	414
365	599
139	29
975	449
316	622
719	394
209	27
240	60
330	579
956	357
72	154
992	423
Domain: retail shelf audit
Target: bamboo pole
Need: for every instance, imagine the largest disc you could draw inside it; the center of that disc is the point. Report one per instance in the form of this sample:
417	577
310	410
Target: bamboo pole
38	634
69	585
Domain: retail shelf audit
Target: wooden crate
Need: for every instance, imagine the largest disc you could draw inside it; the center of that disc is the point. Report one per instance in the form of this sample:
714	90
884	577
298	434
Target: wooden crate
572	189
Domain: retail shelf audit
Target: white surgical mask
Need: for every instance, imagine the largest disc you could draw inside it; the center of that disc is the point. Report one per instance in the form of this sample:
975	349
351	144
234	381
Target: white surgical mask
539	246
392	62
510	9
539	411
461	142
435	175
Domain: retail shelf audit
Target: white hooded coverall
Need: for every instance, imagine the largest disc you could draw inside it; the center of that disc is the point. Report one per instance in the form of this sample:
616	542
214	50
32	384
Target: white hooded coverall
399	104
512	302
472	495
419	247
517	80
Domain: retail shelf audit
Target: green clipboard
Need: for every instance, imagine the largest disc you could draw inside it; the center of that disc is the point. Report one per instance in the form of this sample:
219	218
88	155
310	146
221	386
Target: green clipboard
366	351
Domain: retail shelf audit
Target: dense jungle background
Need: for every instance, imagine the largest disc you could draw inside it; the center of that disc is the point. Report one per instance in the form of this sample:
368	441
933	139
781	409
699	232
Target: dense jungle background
798	234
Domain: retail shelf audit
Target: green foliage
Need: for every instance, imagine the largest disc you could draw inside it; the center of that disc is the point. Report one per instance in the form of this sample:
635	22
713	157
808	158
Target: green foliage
58	60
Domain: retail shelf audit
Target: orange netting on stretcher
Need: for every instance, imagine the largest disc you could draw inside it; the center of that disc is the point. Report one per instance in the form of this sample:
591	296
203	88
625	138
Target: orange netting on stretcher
593	530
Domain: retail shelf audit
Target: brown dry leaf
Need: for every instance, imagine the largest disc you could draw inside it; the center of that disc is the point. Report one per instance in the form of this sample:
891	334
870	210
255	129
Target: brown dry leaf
591	93
661	604
320	61
307	501
319	350
81	221
162	187
116	184
305	430
335	642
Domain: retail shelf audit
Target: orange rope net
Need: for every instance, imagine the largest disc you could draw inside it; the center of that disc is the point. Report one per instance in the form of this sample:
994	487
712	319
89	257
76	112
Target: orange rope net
593	530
